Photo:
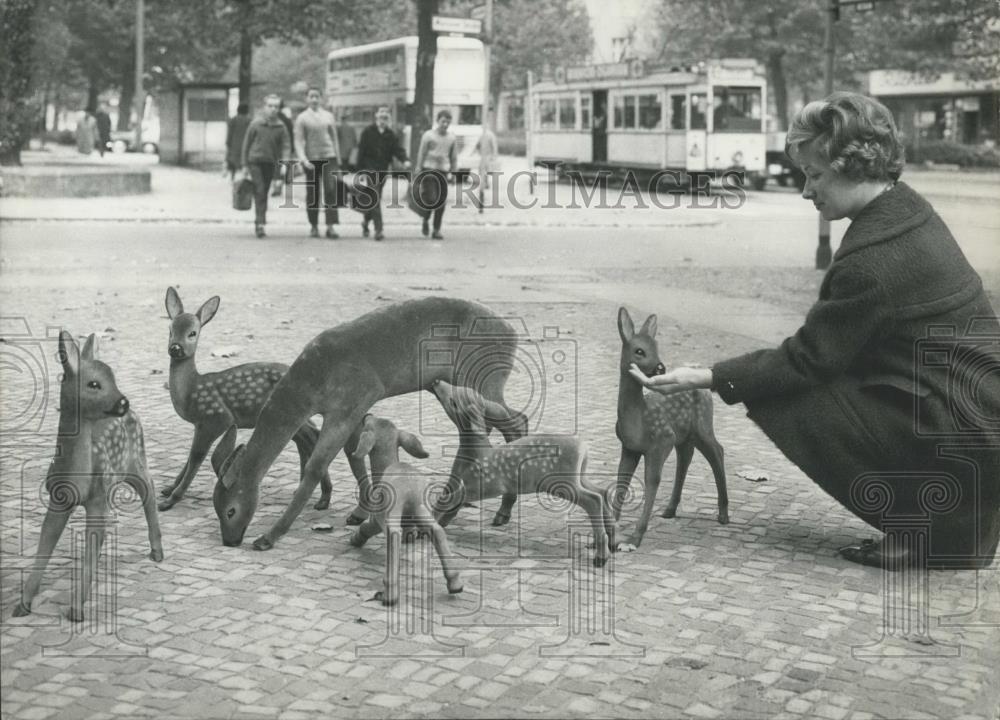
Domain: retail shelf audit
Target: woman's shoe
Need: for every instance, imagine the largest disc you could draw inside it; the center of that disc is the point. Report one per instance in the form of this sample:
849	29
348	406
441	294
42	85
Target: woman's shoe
331	233
874	554
259	230
314	232
425	229
437	235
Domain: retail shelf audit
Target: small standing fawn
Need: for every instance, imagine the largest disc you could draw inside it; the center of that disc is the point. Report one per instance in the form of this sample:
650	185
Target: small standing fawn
651	425
214	401
99	444
399	499
553	464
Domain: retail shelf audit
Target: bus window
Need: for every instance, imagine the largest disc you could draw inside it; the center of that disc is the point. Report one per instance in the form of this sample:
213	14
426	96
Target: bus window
699	104
585	112
470	114
650	112
736	109
567	113
547	114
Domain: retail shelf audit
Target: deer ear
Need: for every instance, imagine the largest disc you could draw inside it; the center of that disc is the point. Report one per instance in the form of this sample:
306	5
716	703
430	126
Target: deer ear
174	305
207	311
411	443
69	353
90	348
649	327
223	451
366	441
626	328
228	469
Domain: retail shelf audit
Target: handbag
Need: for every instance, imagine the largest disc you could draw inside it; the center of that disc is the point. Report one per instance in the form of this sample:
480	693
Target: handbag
242	193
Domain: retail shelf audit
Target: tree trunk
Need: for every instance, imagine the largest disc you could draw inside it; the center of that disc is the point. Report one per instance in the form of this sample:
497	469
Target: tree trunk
779	87
17	17
246	53
93	93
422	111
127	84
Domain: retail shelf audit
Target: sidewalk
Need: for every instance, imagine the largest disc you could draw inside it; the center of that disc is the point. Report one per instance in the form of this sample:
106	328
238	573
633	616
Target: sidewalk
193	196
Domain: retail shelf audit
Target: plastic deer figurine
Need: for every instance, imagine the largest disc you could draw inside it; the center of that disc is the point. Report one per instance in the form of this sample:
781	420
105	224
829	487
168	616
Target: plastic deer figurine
99	444
214	401
553	464
651	425
343	371
399	501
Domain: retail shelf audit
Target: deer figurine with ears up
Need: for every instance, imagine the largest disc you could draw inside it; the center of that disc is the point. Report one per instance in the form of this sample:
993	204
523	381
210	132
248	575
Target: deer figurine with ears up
650	426
400	501
99	444
214	401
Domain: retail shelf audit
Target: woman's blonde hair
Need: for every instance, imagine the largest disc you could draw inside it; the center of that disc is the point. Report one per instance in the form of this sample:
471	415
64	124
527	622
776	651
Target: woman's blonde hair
854	133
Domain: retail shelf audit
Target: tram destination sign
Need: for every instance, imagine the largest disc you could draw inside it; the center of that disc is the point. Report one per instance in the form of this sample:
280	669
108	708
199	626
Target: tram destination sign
605	71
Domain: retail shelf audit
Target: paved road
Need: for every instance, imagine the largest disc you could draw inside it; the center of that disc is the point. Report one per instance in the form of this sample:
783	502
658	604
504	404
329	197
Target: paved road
754	619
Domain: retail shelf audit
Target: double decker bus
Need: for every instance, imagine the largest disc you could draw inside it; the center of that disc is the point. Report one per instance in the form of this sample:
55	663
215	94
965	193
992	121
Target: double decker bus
360	79
707	119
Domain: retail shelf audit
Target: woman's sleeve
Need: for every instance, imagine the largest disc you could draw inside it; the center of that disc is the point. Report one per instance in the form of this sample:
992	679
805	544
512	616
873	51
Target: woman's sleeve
836	329
421	152
247	142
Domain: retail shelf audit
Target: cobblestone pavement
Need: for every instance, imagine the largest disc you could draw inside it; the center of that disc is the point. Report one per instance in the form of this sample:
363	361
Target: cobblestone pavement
757	618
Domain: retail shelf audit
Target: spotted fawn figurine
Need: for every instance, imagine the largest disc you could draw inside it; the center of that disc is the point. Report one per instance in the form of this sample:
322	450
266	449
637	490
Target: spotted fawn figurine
99	444
651	425
214	401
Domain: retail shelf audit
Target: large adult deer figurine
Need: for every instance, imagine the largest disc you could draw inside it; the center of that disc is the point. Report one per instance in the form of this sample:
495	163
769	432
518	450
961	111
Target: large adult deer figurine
99	444
343	371
214	401
651	425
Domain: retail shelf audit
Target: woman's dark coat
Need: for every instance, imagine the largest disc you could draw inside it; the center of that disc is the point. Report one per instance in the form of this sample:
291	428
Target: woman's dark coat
888	396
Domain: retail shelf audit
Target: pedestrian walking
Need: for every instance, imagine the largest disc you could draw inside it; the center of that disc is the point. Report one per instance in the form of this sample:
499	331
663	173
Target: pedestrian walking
103	122
487	148
850	398
236	131
318	148
376	149
347	141
86	132
266	143
284	115
438	154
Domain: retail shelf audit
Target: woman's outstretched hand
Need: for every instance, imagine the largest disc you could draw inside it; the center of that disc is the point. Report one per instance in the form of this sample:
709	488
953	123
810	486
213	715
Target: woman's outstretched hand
673	381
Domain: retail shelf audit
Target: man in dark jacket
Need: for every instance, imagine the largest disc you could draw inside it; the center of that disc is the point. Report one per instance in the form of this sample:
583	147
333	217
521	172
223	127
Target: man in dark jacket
235	132
103	129
376	150
266	143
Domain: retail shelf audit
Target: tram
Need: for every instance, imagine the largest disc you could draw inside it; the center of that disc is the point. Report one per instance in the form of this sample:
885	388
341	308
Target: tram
707	119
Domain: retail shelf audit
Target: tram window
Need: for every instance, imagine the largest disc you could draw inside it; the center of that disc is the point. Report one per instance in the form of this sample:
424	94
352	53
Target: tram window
619	112
585	112
736	109
699	102
470	114
650	112
678	112
567	113
547	114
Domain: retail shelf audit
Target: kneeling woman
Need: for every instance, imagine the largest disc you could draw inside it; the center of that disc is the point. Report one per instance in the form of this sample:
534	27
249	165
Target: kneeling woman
888	396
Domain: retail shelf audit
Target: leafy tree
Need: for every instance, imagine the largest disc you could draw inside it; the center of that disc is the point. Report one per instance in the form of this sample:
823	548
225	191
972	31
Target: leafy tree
786	36
17	26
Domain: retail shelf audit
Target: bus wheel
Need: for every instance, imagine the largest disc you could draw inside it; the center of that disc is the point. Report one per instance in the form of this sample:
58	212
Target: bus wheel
758	181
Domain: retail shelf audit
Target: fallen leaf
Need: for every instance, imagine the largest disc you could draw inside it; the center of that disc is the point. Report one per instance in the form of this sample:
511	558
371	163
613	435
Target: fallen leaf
322	527
752	474
361	620
226	352
154	371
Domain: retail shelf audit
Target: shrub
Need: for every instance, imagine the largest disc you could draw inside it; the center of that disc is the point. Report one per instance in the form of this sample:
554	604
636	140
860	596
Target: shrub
953	153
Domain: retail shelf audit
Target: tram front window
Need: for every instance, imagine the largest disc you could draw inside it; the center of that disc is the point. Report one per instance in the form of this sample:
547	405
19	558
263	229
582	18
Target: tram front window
736	109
